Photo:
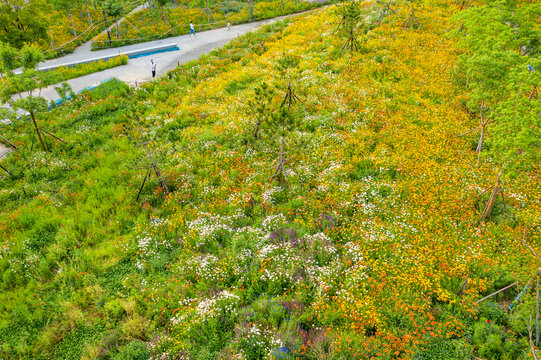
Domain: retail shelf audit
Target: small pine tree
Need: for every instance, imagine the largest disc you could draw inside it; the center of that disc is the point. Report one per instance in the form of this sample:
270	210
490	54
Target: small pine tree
277	135
287	66
273	131
350	23
262	109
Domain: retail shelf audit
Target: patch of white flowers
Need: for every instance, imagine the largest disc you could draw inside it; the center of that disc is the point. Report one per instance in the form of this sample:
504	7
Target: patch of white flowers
211	227
268	194
273	222
206	309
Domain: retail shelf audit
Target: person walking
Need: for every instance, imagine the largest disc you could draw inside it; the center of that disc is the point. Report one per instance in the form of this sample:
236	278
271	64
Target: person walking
192	29
228	26
153	67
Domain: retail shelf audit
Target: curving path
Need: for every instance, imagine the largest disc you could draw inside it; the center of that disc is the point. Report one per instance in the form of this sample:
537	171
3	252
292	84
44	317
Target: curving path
138	69
3	150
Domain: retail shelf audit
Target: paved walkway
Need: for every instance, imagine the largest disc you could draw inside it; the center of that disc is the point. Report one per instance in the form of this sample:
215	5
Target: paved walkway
3	150
138	69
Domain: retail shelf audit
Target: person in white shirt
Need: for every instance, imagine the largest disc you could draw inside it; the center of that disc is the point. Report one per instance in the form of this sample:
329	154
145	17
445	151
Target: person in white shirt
192	29
153	67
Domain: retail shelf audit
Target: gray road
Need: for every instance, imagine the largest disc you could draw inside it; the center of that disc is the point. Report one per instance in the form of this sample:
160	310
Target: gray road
139	69
3	150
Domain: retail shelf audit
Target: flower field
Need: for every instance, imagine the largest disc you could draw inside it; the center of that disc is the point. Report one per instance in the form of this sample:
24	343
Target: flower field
150	24
157	231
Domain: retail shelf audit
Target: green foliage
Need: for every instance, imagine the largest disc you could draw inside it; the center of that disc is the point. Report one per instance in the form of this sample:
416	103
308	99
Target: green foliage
263	108
444	349
23	22
113	87
491	345
517	131
64	91
8	57
135	350
113	8
497	65
114	310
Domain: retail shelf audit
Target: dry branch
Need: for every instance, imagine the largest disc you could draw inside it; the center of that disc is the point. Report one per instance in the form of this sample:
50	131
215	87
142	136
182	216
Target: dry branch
290	98
496	190
528	246
153	163
54	136
497	292
463	286
9	143
532	347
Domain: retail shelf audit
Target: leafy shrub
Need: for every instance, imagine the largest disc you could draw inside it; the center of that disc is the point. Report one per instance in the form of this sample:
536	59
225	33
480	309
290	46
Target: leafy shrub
135	350
444	349
111	88
114	310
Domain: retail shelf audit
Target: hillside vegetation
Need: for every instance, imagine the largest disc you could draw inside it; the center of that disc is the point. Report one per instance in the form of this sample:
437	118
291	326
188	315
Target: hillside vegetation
158	231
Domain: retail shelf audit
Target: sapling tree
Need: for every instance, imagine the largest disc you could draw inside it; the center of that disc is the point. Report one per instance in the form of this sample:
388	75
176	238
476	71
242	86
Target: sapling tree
350	21
385	8
68	6
487	38
160	5
287	66
485	73
205	7
277	132
274	128
262	108
88	13
25	85
411	21
499	67
113	8
515	145
152	167
207	10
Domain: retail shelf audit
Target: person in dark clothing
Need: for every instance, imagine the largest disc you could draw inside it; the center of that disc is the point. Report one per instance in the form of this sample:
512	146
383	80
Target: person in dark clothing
153	67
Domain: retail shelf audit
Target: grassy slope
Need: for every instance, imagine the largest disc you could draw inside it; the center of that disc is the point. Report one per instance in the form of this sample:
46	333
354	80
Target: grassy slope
380	225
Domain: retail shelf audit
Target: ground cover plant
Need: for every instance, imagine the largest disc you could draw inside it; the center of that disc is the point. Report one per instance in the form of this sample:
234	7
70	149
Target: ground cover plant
161	22
318	202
